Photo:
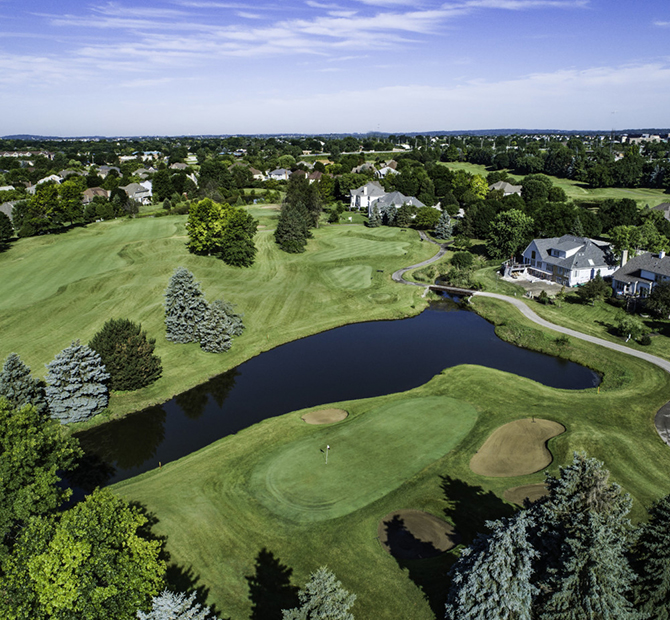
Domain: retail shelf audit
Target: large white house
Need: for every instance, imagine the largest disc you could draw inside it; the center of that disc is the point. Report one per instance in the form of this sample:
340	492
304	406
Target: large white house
373	195
569	260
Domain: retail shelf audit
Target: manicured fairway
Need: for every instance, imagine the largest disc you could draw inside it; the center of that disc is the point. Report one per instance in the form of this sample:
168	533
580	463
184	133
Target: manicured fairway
369	457
58	288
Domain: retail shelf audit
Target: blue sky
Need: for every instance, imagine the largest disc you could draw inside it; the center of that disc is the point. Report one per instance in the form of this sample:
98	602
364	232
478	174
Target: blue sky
172	67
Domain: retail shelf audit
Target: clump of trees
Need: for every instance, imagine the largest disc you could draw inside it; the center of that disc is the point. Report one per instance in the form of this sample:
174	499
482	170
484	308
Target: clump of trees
76	384
300	213
221	230
189	318
128	354
572	554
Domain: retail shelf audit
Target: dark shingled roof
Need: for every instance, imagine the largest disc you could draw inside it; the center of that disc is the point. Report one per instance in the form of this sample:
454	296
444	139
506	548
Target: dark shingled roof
591	254
630	272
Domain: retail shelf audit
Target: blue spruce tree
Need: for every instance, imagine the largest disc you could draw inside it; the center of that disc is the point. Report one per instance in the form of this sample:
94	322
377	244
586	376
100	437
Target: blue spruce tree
76	384
185	307
444	227
175	606
492	578
19	387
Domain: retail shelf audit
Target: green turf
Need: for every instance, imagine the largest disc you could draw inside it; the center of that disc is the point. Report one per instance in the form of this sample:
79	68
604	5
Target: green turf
581	191
208	504
58	288
369	457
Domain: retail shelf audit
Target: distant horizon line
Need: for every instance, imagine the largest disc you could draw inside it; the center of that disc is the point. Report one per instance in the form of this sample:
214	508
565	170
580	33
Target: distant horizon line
479	132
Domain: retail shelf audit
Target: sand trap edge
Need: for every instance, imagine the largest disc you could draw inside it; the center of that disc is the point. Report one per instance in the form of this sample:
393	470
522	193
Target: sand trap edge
325	416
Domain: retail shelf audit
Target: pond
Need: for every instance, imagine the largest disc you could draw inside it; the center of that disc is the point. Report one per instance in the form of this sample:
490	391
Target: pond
350	362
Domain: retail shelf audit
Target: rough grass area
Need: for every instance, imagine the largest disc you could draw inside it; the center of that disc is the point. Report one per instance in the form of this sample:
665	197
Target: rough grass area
369	456
517	448
216	527
58	288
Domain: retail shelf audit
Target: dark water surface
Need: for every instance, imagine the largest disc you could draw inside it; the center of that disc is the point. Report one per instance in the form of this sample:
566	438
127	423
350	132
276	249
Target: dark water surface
355	361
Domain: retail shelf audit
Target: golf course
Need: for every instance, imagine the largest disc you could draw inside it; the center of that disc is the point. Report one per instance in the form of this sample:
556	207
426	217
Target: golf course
381	490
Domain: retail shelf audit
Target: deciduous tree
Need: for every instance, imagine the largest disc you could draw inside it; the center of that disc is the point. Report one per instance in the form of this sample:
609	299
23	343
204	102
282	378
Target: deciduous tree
92	562
509	232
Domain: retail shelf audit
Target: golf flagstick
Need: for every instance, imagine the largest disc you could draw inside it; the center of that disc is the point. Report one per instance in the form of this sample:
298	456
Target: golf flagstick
327	448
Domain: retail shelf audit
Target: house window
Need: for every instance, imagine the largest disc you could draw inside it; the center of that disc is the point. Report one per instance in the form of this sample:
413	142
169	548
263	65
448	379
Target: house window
532	254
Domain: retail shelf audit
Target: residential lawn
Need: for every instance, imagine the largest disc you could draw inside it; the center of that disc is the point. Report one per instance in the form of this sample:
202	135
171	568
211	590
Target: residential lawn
59	288
268	487
581	191
601	320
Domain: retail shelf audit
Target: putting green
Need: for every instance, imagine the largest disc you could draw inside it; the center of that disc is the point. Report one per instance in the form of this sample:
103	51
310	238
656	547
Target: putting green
369	456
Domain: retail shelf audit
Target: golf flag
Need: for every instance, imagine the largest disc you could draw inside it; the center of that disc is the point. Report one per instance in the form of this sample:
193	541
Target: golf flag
327	447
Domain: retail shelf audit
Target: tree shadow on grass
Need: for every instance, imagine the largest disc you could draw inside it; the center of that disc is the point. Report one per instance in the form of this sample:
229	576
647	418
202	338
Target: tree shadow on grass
178	578
270	589
469	507
426	565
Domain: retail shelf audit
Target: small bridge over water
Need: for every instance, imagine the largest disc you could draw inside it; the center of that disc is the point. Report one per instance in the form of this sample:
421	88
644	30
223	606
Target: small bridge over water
452	290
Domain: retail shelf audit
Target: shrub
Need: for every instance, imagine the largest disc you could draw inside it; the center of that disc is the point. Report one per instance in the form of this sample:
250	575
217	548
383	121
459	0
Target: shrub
127	353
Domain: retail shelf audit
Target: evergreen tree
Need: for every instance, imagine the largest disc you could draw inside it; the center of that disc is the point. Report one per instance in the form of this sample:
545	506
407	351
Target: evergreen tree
652	561
492	578
237	243
6	230
444	227
323	598
214	330
292	232
375	219
594	290
184	306
19	387
585	533
127	353
403	217
175	606
76	384
578	227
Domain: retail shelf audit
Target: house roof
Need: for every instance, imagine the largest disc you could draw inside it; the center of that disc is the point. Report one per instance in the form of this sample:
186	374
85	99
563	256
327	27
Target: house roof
315	176
590	253
372	189
398	199
507	188
7	208
630	272
664	207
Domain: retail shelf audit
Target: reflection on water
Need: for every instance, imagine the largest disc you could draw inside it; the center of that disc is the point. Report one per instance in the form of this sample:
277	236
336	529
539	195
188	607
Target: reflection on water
351	362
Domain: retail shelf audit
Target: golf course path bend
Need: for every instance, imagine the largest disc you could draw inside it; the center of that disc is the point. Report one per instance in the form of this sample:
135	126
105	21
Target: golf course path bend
398	276
662	420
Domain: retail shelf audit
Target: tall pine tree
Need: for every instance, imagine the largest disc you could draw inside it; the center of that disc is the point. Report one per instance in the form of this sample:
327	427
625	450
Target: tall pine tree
292	230
444	227
652	561
375	219
492	578
587	532
19	387
175	606
323	598
214	331
185	307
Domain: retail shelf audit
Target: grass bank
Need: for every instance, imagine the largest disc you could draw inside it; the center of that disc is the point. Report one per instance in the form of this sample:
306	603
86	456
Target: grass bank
59	288
263	499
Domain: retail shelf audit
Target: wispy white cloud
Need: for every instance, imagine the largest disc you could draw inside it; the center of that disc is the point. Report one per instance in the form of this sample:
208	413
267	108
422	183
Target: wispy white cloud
248	15
662	24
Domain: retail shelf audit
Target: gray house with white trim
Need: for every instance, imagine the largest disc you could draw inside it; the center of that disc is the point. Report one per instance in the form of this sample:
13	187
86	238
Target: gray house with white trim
638	276
569	260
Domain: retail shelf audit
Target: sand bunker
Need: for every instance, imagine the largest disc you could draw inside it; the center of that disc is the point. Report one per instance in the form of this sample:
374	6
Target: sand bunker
530	492
415	535
516	449
325	416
